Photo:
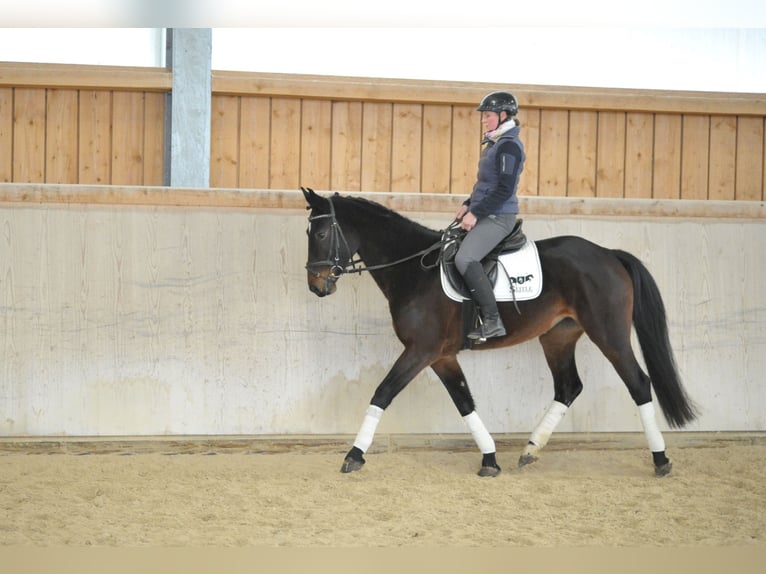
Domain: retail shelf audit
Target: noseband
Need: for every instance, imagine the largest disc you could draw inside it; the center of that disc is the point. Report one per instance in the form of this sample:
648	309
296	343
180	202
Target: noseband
337	238
333	256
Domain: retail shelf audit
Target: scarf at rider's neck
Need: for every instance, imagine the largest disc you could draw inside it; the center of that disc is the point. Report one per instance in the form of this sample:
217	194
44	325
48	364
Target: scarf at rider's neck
495	134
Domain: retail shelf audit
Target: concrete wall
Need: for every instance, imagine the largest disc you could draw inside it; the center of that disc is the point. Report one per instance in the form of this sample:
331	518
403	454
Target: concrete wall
143	320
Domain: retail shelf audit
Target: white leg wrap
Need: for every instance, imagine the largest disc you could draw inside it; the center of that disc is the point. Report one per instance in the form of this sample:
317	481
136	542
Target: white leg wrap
651	430
481	435
367	431
548	424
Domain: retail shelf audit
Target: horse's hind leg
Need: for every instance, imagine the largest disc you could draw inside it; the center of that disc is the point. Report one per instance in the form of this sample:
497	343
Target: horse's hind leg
559	348
451	375
614	341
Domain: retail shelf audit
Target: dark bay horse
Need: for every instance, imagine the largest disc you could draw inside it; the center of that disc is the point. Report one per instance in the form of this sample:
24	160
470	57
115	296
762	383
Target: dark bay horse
586	289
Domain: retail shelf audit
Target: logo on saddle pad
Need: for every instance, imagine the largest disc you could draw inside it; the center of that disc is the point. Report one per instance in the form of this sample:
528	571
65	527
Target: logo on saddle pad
519	269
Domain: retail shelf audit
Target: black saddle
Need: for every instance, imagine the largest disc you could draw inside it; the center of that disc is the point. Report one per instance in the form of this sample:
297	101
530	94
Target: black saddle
451	241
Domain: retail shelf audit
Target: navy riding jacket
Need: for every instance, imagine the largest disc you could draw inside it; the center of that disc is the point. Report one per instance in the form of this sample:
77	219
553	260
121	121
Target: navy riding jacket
497	180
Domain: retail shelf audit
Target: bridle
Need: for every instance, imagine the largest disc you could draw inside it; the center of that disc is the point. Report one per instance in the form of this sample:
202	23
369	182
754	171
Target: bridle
338	239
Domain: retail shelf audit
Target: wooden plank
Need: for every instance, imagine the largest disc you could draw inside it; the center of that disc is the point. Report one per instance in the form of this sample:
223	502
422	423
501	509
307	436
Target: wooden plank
695	157
6	134
316	131
436	156
154	138
346	146
128	138
530	135
285	143
29	135
610	155
406	148
667	157
749	182
224	141
723	153
255	137
639	143
38	193
466	137
468	93
377	125
583	144
61	137
78	76
554	140
95	137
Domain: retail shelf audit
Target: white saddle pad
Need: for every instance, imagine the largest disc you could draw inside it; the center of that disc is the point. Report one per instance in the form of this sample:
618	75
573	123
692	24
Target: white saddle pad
520	269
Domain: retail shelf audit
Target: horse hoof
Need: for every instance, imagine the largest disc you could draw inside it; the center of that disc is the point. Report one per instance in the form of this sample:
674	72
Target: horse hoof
490	471
663	469
526	459
351	465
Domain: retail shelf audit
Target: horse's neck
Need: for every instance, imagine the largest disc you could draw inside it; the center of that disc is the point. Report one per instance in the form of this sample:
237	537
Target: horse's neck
381	246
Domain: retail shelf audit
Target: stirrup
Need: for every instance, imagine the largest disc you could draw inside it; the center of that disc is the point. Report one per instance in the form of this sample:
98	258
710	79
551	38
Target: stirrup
487	330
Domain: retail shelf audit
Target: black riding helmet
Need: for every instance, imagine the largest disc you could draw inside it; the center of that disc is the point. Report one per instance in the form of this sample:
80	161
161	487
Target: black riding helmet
499	102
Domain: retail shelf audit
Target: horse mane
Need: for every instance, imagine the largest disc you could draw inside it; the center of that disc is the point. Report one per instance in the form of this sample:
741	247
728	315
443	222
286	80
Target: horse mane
395	222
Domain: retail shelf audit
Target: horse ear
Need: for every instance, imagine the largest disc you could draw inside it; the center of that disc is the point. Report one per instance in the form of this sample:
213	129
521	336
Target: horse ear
310	195
313	199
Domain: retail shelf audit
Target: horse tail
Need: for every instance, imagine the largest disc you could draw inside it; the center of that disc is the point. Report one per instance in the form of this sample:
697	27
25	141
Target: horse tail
651	327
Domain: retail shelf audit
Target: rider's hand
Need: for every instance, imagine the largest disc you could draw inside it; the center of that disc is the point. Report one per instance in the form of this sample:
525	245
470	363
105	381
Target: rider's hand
461	212
468	222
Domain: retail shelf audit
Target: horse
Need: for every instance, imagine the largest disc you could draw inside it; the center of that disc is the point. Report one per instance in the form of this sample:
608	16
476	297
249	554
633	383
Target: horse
587	288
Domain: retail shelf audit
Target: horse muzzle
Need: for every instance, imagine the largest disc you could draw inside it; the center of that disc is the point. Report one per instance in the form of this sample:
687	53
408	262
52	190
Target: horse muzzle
324	283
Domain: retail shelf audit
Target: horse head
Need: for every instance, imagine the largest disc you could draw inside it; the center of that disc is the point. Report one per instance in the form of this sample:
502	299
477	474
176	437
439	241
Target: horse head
329	252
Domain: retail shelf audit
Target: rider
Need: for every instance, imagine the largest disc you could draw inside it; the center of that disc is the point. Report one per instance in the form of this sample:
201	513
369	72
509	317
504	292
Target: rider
489	214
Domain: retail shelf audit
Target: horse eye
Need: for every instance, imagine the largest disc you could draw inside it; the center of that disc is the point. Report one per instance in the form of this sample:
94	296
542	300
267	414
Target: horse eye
322	234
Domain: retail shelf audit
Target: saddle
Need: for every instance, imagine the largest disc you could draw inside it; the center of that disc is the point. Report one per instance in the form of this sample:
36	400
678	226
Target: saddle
451	241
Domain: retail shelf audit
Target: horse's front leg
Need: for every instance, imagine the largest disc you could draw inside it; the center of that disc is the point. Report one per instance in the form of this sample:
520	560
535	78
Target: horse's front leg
451	375
406	367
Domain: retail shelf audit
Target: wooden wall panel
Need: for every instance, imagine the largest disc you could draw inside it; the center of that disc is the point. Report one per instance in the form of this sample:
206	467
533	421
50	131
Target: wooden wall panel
154	138
29	135
224	141
723	153
610	155
61	136
316	130
695	157
285	143
639	146
464	149
377	130
667	157
346	146
750	159
127	138
277	131
436	157
554	156
582	152
407	148
530	136
255	137
6	134
95	137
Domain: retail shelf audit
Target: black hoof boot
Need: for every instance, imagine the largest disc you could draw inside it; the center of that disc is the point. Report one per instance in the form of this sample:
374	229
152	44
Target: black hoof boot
489	466
662	464
354	461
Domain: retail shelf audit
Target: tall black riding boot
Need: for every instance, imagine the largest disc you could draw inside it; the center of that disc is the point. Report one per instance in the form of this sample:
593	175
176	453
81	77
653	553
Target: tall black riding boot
481	292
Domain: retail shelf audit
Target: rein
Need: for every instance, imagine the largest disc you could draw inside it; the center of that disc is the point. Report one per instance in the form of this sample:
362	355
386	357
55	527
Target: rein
357	265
